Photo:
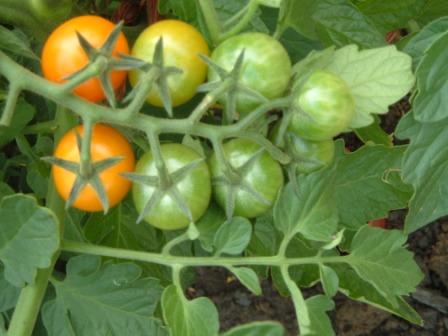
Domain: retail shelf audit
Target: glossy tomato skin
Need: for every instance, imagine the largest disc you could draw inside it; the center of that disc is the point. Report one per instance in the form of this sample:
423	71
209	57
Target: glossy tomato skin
322	108
309	155
265	177
195	188
182	44
106	142
266	66
62	54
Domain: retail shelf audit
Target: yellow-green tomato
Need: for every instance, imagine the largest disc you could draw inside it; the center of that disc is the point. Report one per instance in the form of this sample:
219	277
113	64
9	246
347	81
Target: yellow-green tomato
182	44
308	155
266	66
265	177
322	108
194	188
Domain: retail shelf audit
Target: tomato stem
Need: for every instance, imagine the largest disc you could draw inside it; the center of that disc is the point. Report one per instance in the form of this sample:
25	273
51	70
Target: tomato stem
30	299
11	102
170	260
243	20
211	20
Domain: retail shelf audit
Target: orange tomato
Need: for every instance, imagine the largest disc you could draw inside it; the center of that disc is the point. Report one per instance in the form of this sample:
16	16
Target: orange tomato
106	142
62	54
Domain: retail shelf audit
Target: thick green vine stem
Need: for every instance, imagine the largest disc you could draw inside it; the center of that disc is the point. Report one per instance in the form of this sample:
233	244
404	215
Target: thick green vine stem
30	299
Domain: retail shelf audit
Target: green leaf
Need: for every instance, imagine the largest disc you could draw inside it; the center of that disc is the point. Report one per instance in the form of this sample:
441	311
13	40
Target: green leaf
358	289
8	293
119	229
374	134
227	8
303	275
264	238
389	78
233	236
265	328
364	185
298	14
330	281
429	105
2	326
16	43
208	224
30	237
378	256
248	278
270	3
341	23
420	42
390	15
432	10
110	299
425	166
310	210
5	190
23	114
197	317
320	323
297	44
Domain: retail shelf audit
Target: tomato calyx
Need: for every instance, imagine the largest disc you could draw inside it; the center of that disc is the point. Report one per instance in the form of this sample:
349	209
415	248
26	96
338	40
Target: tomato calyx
87	173
102	63
234	179
155	73
232	86
164	184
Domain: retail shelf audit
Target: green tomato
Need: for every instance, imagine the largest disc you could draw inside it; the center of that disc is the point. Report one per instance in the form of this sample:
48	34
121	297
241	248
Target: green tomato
323	107
266	66
195	188
265	177
307	155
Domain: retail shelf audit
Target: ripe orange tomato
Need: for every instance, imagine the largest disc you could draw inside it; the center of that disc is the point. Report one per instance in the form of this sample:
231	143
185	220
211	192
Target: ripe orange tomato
182	44
62	54
106	142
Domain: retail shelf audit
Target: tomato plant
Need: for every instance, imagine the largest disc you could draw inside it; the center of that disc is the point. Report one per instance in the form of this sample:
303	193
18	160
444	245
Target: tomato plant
308	155
290	207
323	107
258	183
62	54
266	67
194	188
106	143
182	45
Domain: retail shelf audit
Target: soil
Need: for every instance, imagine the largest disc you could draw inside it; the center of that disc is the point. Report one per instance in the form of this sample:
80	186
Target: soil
350	318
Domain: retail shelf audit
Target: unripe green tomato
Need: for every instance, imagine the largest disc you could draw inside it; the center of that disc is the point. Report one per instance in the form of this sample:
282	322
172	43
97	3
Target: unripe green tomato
195	188
265	177
309	155
322	108
266	66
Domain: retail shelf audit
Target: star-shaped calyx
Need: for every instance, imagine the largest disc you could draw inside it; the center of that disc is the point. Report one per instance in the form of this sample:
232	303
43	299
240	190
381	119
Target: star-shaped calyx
90	174
235	87
164	183
109	63
234	179
160	80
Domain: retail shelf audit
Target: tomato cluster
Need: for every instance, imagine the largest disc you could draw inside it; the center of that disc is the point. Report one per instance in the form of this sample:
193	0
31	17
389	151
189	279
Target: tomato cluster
246	179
